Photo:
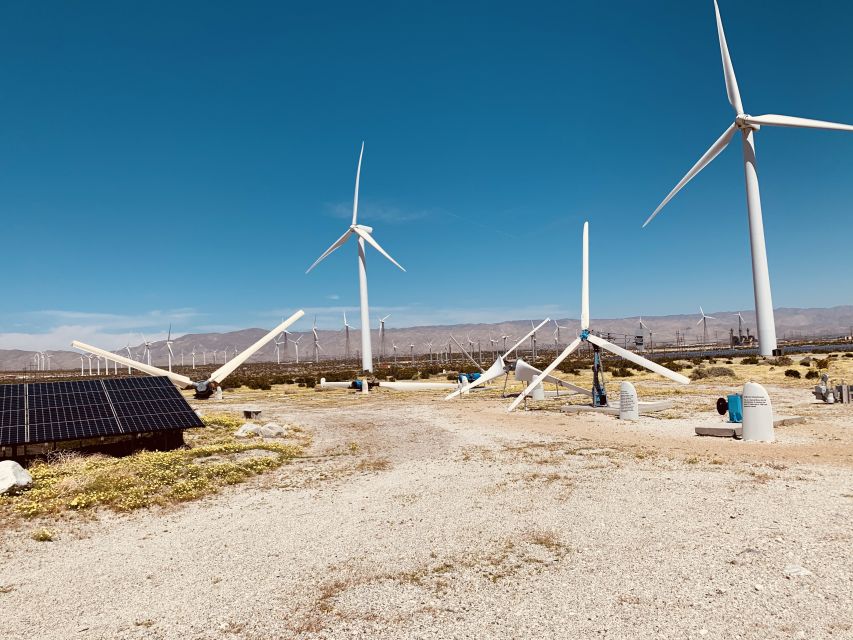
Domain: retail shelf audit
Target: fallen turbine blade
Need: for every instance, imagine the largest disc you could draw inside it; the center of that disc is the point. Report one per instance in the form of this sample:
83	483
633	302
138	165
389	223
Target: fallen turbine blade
220	374
177	378
633	357
775	120
547	372
526	336
495	371
721	143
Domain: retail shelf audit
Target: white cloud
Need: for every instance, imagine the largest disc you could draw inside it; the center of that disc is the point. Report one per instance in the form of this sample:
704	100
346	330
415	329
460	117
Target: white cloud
369	212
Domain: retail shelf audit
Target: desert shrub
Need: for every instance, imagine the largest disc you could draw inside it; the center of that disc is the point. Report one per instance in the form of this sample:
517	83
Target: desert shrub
701	373
424	375
792	373
621	372
848	355
688	366
453	376
781	361
823	364
673	365
750	360
730	362
806	362
812	375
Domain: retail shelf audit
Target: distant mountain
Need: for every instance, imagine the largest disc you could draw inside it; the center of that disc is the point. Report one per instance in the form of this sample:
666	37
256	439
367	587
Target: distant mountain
790	323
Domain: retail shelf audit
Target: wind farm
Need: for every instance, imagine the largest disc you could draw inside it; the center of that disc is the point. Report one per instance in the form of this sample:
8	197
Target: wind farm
558	420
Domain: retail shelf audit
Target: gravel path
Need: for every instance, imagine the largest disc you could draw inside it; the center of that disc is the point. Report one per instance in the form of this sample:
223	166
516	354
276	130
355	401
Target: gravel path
439	523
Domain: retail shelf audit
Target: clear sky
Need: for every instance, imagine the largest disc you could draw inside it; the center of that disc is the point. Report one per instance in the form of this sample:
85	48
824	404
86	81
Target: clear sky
187	161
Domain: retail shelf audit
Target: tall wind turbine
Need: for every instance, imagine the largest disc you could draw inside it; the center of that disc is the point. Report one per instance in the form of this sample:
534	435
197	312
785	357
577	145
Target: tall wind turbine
147	352
169	347
643	325
347	327
557	327
382	335
317	347
586	335
363	234
748	125
704	322
295	344
192	354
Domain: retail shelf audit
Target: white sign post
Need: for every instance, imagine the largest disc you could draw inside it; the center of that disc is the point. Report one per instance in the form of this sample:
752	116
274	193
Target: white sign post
757	413
629	406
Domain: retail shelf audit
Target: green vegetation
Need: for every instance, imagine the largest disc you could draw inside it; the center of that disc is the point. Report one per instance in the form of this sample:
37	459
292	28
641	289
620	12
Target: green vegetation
792	373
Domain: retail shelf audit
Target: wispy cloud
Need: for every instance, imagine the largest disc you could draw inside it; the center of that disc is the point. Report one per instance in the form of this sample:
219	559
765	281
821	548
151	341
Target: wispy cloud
56	328
369	212
333	296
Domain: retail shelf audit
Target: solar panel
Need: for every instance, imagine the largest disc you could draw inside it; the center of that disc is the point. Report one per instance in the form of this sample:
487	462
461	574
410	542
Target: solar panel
81	409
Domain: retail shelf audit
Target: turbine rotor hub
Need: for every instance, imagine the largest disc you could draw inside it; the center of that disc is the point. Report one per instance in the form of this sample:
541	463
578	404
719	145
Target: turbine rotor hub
741	123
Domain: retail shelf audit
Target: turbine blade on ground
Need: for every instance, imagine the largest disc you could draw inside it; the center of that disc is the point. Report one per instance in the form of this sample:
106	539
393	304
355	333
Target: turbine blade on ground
177	378
721	143
640	360
775	120
225	370
728	69
363	234
538	379
495	371
337	244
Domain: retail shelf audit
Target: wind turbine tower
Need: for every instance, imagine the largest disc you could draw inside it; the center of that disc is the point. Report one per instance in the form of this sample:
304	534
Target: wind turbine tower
748	126
363	233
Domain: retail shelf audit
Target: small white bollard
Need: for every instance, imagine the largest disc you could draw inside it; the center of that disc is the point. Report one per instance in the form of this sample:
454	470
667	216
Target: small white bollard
463	382
629	406
365	387
757	413
538	392
217	395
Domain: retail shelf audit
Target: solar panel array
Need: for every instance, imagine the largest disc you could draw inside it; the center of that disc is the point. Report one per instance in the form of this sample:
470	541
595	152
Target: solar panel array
81	409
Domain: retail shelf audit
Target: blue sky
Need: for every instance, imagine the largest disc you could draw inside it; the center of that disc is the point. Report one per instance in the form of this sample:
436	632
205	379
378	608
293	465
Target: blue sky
188	161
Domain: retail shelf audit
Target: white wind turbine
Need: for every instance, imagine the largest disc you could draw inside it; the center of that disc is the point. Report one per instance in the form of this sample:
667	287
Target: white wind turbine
147	353
81	364
278	349
317	347
347	327
505	338
362	232
412	352
295	344
557	327
492	343
203	388
89	357
394	347
643	325
748	125
597	343
192	355
169	347
382	335
48	356
704	322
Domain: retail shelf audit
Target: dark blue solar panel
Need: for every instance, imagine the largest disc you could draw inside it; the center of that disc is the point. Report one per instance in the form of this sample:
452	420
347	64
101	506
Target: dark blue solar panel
12	413
81	409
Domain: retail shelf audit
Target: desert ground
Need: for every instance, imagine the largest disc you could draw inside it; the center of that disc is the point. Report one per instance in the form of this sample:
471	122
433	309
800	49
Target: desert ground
411	517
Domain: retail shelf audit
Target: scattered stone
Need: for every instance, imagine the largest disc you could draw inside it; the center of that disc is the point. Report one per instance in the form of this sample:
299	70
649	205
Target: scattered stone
13	477
795	570
758	587
271	430
247	430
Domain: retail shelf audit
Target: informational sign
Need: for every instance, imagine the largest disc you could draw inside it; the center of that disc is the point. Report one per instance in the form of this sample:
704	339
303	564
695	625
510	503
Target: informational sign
629	406
757	413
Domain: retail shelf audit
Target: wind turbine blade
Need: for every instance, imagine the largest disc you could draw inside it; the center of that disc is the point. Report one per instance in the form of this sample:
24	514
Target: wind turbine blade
640	360
357	179
495	371
369	239
337	244
775	120
545	374
468	355
177	378
220	374
728	69
585	279
710	317
700	320
704	161
527	335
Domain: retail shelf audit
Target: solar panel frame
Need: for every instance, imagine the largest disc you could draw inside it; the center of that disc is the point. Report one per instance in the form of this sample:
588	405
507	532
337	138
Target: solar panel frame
13	407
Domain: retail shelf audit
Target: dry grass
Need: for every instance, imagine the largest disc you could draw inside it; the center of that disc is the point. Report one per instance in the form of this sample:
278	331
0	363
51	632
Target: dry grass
213	459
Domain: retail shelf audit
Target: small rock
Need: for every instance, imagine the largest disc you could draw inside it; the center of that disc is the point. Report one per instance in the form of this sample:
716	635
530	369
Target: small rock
13	477
271	430
795	570
247	430
758	587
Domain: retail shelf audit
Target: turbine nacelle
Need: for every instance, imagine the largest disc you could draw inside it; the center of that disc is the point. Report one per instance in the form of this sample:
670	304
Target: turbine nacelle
742	122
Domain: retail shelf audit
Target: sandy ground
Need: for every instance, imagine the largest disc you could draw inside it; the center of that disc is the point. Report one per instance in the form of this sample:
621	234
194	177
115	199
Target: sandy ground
416	518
